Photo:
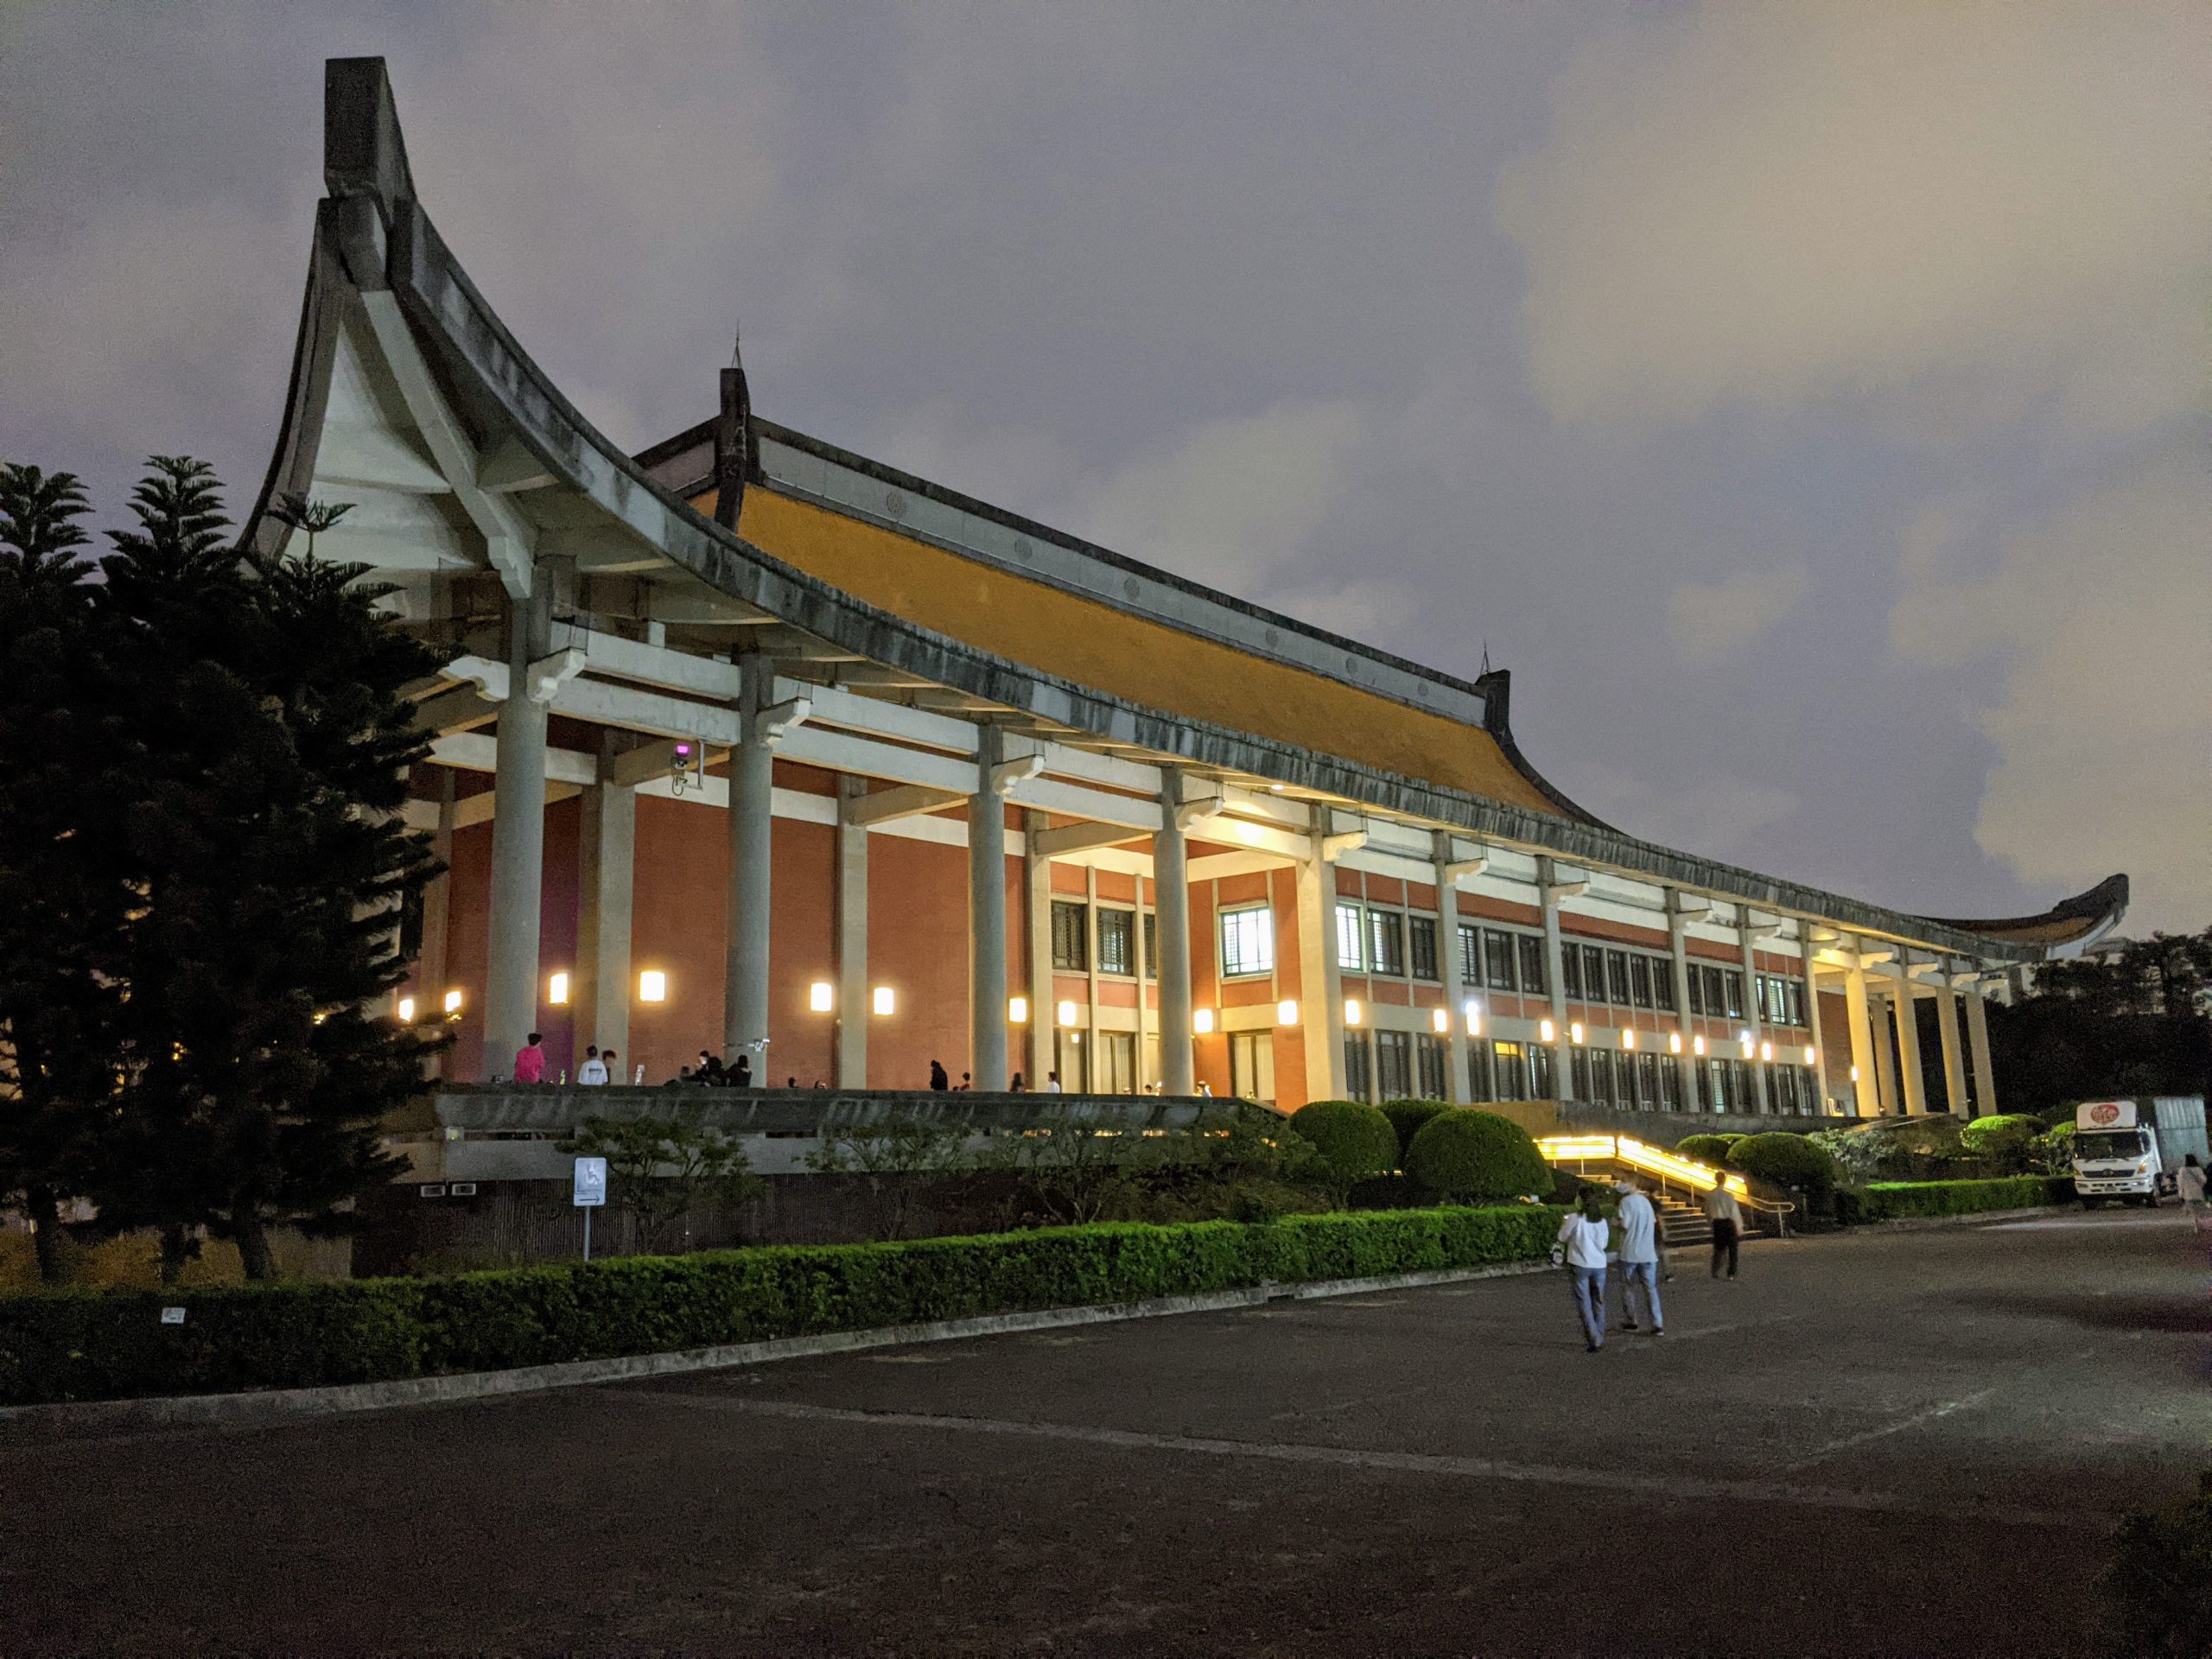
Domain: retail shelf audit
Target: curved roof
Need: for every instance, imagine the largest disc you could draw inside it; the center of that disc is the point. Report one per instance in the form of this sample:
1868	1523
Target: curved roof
378	263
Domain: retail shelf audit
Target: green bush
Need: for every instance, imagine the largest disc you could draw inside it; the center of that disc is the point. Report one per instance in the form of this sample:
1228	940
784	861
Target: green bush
1707	1148
1886	1201
1354	1138
1407	1117
2161	1577
2007	1137
1476	1158
91	1345
1787	1161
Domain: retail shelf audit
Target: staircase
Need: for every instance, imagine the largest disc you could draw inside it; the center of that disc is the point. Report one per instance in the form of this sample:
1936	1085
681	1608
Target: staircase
1683	1225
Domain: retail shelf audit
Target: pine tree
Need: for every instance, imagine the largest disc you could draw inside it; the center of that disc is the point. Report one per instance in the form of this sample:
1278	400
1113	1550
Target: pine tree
267	699
65	899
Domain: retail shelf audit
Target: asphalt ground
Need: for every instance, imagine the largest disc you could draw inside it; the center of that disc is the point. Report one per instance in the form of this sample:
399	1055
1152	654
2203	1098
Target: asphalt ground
1889	1442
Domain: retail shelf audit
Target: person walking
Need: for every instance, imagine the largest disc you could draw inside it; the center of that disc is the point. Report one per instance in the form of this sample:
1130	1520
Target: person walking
1051	1082
592	1074
530	1059
940	1080
1727	1219
2189	1187
1583	1237
1640	1253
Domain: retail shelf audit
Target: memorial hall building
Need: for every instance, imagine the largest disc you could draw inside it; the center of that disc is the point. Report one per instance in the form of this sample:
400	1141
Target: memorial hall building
753	745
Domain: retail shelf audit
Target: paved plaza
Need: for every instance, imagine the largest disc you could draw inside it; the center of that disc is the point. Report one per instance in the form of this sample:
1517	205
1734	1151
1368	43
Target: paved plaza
1903	1442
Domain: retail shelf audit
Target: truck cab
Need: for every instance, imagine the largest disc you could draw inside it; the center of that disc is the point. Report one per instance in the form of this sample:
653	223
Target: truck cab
2115	1156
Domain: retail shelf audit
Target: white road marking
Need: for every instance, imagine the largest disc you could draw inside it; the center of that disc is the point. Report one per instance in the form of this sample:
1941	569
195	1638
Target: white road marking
1898	1428
1618	1482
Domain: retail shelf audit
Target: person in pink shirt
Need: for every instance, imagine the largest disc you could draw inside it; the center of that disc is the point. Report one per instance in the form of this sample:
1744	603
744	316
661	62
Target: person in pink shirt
530	1060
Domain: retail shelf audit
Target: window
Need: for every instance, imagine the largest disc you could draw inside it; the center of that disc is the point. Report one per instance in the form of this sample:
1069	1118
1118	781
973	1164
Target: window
1735	984
1793	1002
1420	946
1359	1076
1577	1074
1782	1089
1432	1059
1497	957
1570	972
1639	980
1471	956
1760	999
1479	1071
1349	953
1671	1084
1810	1099
1394	1065
1386	942
1540	1068
1252	1064
1716	995
1616	975
1151	945
1247	942
1662	984
1648	1086
1705	1087
1696	979
1594	973
1512	1071
1532	964
1117	942
1071	940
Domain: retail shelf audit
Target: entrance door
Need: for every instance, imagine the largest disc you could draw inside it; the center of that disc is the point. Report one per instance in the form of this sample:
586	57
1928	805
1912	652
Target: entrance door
1252	1065
1114	1062
1068	1060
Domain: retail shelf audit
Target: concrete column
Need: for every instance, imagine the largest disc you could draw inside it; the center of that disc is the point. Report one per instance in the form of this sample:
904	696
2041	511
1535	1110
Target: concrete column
1148	968
1039	871
986	921
1321	996
608	859
746	923
852	938
1171	877
1549	891
1985	1080
517	845
1866	1098
1914	1092
1813	1018
1747	940
1955	1066
1447	965
1678	941
1885	1053
437	914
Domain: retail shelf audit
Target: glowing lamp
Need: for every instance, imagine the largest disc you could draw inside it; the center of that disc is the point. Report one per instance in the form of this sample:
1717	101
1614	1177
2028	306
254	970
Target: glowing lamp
1575	1032
1627	1039
406	1009
1474	1012
652	986
453	1001
1766	1050
1697	1045
1440	1020
556	989
882	1001
821	996
1286	1012
1067	1014
1353	1013
1812	1055
1202	1020
1546	1032
1674	1042
1017	1010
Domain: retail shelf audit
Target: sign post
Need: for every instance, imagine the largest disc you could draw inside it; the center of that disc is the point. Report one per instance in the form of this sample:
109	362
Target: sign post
590	1192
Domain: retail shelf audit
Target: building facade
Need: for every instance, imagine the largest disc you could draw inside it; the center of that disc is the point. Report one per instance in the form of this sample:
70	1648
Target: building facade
750	745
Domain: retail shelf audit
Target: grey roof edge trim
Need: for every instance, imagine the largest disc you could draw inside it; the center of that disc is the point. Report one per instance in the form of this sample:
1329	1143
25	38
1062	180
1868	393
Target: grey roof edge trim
2100	907
462	333
1458	690
299	432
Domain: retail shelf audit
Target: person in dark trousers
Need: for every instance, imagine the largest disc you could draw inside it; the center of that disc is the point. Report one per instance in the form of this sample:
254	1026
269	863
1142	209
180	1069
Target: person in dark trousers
1582	1237
1727	1219
742	1077
709	1071
940	1080
1017	1086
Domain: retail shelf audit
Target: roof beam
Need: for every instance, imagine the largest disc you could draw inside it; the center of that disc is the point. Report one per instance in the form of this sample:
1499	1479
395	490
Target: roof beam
902	801
1080	838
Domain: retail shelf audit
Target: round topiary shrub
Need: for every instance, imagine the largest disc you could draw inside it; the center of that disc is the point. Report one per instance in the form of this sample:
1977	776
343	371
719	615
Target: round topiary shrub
2006	1138
1407	1117
1476	1158
1787	1161
1355	1140
1708	1148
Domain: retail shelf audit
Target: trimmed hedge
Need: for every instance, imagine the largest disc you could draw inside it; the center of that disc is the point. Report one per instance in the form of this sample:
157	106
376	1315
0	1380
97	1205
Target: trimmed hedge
2005	1135
1786	1161
1354	1138
1408	1117
1888	1200
1707	1148
1473	1157
63	1345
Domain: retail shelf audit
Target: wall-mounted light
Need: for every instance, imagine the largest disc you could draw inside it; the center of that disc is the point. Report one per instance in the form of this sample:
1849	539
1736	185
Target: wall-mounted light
1812	1055
1546	1032
652	986
1286	1012
1202	1020
1353	1013
821	996
1674	1042
1575	1032
556	989
1474	1012
1017	1010
882	1001
1067	1014
452	1002
1745	1044
1855	1074
1628	1038
1697	1045
406	1010
1766	1050
1440	1020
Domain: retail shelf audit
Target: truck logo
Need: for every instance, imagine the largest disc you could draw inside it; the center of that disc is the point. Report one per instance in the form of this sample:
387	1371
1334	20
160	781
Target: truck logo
2104	1113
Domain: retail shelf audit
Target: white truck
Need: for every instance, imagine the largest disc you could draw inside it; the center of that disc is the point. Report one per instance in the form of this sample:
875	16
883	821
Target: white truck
2124	1153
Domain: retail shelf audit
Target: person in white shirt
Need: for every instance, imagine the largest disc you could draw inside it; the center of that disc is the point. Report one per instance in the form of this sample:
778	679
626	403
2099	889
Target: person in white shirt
592	1074
1727	1219
1051	1082
1583	1234
2189	1186
1639	1224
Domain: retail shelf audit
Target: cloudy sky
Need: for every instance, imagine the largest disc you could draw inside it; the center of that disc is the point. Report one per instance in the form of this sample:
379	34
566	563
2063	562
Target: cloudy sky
1806	401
